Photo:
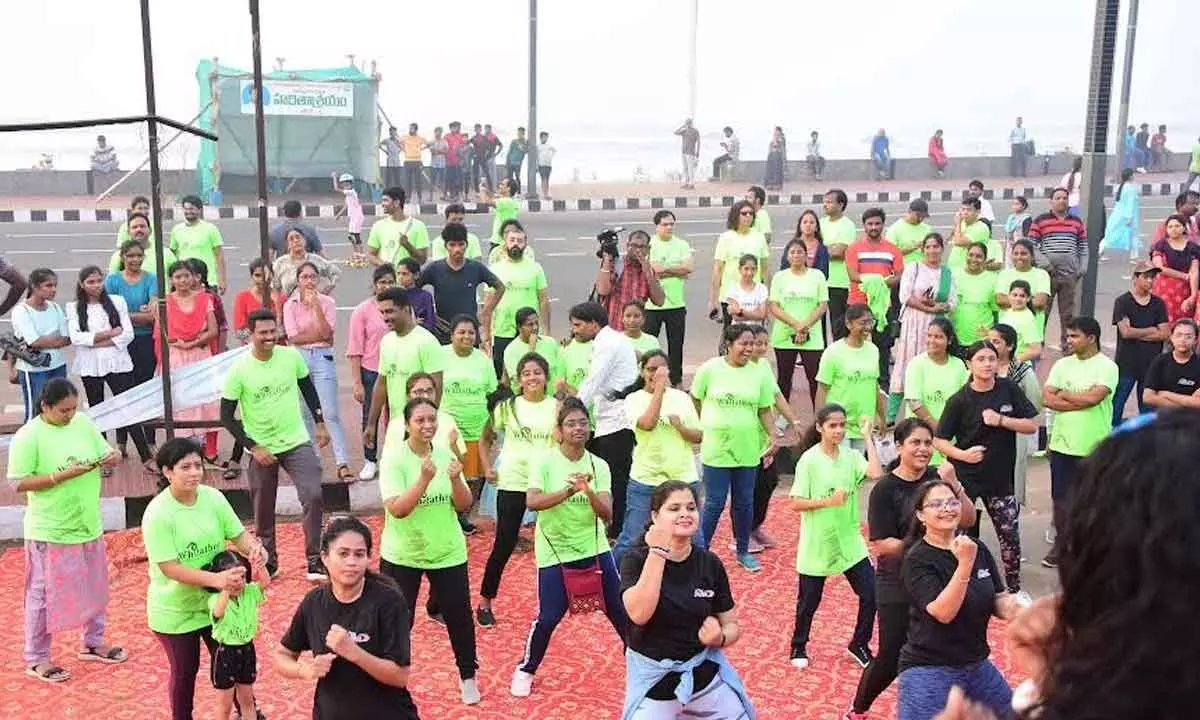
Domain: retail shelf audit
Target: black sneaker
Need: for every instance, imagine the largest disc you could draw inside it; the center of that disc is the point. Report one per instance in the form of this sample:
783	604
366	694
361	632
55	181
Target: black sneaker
273	570
1051	560
861	654
484	617
316	571
469	528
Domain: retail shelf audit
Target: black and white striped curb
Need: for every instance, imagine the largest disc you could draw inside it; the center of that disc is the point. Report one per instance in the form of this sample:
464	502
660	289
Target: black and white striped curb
229	212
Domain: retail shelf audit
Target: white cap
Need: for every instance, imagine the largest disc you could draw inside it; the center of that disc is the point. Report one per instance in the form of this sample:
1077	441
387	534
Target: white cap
345	177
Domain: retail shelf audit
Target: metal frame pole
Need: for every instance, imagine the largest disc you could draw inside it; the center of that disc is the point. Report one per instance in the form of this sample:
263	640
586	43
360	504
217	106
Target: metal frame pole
1126	80
156	208
531	190
260	131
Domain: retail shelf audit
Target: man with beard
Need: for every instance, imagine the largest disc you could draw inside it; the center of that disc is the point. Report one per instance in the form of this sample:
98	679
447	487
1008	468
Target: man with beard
265	384
455	280
525	285
197	238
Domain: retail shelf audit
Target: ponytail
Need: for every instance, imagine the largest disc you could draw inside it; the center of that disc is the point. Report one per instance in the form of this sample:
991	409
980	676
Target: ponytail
812	435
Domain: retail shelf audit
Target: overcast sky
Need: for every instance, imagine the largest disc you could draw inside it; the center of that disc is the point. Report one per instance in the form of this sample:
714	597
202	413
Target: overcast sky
620	66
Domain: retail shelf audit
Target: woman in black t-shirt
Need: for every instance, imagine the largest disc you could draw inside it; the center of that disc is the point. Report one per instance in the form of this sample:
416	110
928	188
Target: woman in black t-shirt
889	514
978	433
681	616
955	588
357	629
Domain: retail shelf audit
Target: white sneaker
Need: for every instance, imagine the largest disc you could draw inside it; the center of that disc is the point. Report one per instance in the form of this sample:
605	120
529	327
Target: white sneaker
469	690
368	471
522	684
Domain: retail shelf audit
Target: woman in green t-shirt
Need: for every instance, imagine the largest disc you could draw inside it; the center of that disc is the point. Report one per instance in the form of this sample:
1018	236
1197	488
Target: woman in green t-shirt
571	490
467	380
975	286
184	527
799	299
55	459
825	493
529	340
849	374
1018	316
934	375
633	317
423	490
527	422
735	398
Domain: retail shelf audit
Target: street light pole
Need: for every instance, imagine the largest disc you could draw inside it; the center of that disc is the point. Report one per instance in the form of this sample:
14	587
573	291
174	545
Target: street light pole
1126	78
531	189
1095	141
693	32
260	129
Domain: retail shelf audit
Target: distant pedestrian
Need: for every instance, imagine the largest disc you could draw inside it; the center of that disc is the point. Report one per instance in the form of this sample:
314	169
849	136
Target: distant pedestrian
1123	230
1141	147
493	149
1160	156
690	151
545	160
937	154
776	160
816	162
732	147
1017	137
414	167
391	150
1073	182
438	149
516	156
104	157
881	155
479	151
456	161
1193	166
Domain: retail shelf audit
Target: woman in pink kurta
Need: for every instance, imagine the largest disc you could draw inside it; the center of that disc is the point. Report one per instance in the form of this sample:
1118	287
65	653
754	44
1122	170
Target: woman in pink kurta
926	292
191	325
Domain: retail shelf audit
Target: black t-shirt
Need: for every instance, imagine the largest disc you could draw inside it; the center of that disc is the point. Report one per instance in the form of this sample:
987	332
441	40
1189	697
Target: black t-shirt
454	290
962	422
379	619
1134	356
889	515
1166	373
962	641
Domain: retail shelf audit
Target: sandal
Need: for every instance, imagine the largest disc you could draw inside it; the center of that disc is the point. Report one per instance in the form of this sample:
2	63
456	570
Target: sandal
114	656
49	672
344	474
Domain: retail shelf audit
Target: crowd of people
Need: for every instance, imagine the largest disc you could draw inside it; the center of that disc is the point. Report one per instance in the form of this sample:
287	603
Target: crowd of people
590	441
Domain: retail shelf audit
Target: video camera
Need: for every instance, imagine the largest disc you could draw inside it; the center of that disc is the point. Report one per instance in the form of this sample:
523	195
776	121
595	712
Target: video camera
610	240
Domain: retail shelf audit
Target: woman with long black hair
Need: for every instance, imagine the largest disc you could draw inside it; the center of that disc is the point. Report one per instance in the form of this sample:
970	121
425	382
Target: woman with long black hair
889	517
808	230
978	433
798	301
1004	339
932	377
138	287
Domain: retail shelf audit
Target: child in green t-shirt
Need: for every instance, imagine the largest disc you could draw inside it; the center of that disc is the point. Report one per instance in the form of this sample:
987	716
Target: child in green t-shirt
1019	317
234	624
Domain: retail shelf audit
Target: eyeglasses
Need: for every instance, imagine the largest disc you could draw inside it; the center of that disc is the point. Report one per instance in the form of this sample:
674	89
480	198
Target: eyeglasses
947	504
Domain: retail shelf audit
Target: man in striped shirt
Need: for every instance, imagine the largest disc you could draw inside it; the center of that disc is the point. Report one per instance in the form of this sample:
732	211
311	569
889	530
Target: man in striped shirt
1061	241
874	255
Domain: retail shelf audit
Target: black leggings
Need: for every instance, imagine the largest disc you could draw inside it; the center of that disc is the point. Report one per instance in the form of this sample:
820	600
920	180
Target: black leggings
141	351
453	590
616	449
93	387
879	674
764	487
510	509
183	658
785	361
862	581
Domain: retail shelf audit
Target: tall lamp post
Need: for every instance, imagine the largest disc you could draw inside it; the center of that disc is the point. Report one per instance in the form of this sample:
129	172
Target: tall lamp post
531	190
260	130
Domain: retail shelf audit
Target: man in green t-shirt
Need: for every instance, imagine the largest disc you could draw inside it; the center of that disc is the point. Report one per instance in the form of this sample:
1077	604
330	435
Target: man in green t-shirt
396	236
838	232
671	260
1194	166
266	384
1079	390
909	232
406	350
197	238
969	228
757	197
524	286
138	229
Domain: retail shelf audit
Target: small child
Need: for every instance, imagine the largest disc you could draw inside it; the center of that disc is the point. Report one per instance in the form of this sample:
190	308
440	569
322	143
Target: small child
1016	226
235	622
352	209
633	317
1019	317
747	301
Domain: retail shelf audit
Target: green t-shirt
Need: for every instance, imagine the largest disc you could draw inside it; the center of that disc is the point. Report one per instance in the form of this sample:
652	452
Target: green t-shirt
798	295
975	308
191	535
528	433
977	231
731	246
399	357
730	400
852	375
762	221
466	384
385	237
838	232
1038	279
1078	432
672	252
909	238
1194	166
644	343
545	346
1026	323
67	513
570	530
270	398
429	538
662	454
149	262
198	241
437	250
523	282
932	384
831	541
576	362
239	624
506	209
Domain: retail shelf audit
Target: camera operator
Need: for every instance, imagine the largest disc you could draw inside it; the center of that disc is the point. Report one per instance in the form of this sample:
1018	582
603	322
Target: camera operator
629	278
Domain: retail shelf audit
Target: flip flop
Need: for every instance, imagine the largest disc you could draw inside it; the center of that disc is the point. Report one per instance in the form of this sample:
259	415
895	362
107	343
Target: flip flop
345	475
114	656
51	674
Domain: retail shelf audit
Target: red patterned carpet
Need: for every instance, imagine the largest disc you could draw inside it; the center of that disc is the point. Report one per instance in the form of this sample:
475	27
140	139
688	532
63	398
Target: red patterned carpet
582	676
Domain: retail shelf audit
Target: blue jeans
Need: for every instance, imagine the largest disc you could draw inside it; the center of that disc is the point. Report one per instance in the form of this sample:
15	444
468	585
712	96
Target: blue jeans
552	605
368	378
923	690
323	371
31	387
637	514
1125	385
720	482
